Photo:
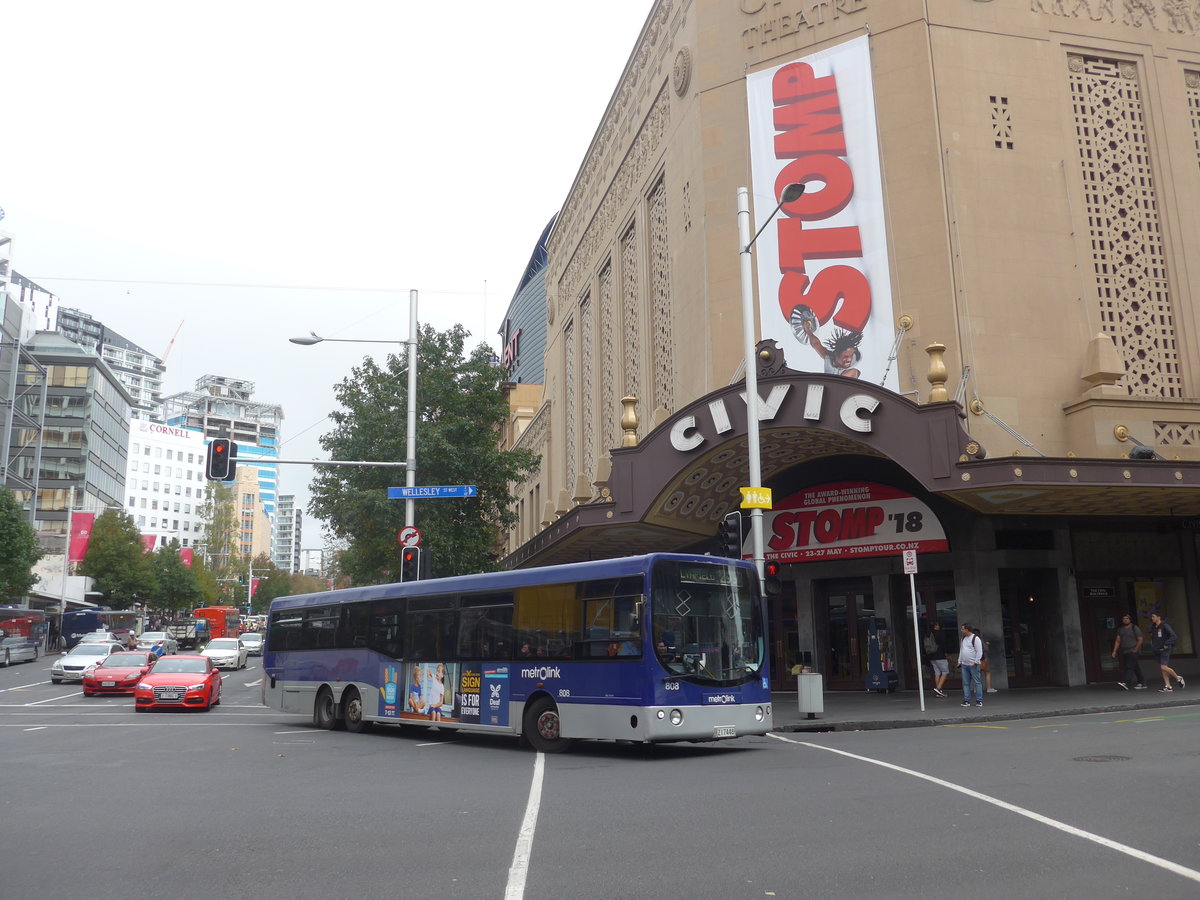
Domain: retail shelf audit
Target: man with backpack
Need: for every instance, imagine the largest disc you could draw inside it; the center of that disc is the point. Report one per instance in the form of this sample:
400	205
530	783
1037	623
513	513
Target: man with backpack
970	654
1128	642
935	654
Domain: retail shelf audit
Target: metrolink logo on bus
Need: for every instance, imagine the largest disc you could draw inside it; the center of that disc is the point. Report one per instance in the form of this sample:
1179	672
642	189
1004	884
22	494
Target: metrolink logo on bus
542	673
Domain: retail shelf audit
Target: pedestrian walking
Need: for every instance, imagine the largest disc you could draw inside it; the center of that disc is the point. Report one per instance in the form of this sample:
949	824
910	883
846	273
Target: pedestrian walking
1162	640
970	654
935	655
1128	642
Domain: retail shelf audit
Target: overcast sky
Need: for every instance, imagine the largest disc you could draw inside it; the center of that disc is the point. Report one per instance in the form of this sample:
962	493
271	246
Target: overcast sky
255	170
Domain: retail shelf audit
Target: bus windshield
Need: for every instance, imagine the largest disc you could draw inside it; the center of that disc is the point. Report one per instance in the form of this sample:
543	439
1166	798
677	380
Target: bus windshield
707	625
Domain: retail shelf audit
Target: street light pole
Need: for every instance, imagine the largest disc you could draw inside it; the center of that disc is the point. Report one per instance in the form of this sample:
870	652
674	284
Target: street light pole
753	450
410	464
410	471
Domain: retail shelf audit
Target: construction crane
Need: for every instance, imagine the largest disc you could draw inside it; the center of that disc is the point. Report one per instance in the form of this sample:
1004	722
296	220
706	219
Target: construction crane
167	352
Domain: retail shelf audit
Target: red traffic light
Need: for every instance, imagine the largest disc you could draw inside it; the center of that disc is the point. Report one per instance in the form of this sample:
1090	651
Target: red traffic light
771	569
221	461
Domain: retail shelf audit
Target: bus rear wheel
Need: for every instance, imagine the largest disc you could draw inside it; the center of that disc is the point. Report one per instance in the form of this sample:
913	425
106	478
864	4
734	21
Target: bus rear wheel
543	728
325	711
352	712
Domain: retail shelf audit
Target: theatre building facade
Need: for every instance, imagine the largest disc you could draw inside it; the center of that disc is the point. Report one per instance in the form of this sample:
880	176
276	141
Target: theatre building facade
975	335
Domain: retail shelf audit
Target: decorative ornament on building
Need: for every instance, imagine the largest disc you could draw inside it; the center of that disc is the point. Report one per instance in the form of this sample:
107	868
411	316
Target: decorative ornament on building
681	72
1191	79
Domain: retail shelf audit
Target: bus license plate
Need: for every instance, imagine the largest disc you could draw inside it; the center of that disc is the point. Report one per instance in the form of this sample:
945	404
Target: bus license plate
724	731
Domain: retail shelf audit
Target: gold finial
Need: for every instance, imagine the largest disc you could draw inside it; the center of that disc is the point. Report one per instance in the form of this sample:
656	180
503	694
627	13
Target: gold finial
629	422
937	373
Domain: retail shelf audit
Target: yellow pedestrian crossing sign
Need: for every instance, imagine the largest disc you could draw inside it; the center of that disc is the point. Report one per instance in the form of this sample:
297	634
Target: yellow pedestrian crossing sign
756	497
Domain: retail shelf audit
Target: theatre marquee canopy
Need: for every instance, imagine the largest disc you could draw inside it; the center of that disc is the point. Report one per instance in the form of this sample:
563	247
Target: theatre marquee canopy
669	492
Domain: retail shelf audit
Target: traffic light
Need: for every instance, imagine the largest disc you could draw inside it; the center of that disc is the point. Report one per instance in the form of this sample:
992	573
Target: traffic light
729	536
221	462
410	564
771	580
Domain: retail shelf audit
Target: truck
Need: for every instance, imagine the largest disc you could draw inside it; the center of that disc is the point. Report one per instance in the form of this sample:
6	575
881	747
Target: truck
223	621
189	631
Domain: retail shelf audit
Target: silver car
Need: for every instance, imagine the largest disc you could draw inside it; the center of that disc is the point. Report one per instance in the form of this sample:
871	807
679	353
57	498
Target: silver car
160	643
72	664
254	643
18	649
226	653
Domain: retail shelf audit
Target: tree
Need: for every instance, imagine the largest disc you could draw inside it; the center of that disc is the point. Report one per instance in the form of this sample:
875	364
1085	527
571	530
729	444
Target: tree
178	589
116	558
460	411
18	550
272	582
223	559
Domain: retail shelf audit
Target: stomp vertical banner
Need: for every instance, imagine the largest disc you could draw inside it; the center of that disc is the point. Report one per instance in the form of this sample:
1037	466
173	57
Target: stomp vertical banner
823	277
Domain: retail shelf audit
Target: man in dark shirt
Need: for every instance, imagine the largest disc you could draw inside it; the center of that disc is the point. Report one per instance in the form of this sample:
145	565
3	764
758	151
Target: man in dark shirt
1128	643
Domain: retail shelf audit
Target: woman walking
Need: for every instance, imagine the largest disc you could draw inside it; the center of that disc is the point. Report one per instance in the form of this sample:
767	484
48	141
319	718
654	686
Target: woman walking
1162	639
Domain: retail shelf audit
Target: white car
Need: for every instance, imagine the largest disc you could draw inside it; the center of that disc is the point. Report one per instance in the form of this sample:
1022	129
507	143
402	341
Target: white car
226	653
159	643
99	637
254	643
72	664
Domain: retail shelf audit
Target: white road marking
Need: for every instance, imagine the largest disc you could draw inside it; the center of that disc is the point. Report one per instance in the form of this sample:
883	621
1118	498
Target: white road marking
21	687
1140	855
520	864
52	699
37	728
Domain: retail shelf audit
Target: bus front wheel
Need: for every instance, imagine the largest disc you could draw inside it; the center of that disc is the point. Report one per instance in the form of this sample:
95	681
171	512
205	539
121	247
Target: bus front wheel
543	728
352	712
325	711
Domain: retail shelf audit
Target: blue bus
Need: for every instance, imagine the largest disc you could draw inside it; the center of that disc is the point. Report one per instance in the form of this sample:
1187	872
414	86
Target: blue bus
656	648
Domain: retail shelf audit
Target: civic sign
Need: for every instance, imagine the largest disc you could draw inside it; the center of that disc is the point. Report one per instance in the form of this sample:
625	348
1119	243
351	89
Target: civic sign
433	491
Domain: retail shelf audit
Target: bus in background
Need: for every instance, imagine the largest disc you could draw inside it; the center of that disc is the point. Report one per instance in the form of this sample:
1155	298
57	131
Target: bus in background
26	623
223	621
655	648
121	622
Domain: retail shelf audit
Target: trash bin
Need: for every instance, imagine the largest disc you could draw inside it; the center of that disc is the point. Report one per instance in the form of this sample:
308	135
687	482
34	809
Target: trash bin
811	690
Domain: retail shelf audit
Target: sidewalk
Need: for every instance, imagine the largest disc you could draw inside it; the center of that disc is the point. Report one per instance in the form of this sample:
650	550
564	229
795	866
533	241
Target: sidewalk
866	711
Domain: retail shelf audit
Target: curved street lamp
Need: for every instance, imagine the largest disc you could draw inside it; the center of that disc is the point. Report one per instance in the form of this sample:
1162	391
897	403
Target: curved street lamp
410	465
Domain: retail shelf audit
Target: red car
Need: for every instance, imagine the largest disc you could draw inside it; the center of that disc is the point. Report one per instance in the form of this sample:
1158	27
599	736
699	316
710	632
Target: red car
183	681
117	673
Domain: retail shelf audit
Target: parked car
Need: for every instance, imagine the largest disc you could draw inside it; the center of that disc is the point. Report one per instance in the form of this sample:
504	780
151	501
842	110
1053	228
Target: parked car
72	664
17	649
253	642
118	673
185	681
227	653
160	643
